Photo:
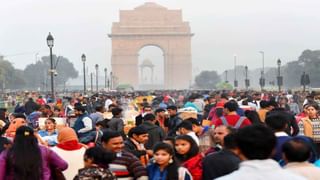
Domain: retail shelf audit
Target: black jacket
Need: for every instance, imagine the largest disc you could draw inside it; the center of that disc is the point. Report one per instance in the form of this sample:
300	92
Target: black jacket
129	146
219	164
156	134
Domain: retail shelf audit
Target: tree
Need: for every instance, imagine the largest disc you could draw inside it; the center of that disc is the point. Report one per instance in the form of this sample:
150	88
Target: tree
37	75
207	79
9	76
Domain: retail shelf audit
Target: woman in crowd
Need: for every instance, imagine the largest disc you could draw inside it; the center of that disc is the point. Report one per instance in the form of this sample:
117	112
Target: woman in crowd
310	125
70	149
27	160
49	134
94	160
164	165
187	152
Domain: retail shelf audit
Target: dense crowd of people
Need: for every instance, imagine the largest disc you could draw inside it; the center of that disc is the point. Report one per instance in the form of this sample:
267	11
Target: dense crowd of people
161	135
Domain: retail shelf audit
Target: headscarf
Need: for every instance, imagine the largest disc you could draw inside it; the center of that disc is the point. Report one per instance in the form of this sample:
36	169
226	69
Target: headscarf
68	140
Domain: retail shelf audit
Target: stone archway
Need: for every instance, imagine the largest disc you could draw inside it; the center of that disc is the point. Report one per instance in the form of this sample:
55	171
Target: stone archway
152	24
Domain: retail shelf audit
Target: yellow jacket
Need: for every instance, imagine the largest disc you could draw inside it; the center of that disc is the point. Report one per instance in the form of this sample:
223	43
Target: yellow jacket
307	127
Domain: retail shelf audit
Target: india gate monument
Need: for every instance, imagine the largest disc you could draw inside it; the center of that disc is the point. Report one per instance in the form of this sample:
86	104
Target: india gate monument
152	25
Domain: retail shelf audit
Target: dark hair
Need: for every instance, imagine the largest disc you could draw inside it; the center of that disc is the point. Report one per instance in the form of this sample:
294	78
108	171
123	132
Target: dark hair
273	103
296	150
112	106
116	111
253	117
138	130
109	134
103	123
231	105
314	105
172	168
146	106
79	107
24	158
264	104
194	149
256	141
99	107
277	121
159	110
169	138
230	141
100	156
224	96
3	114
19	115
149	117
194	121
52	120
219	112
185	124
172	107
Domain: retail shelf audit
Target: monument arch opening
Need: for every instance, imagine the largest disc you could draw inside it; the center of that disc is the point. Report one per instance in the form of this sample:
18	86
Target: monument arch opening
151	67
152	24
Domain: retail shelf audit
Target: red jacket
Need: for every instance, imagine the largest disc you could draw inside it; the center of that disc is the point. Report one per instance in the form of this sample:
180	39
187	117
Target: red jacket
194	166
232	120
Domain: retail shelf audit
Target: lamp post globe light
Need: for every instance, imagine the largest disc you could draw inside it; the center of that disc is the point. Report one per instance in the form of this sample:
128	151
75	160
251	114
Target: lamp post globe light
246	81
97	81
279	78
83	58
105	77
50	43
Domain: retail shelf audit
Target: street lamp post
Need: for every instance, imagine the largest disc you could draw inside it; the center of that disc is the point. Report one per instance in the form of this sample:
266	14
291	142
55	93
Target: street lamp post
97	76
83	58
247	81
279	78
105	77
50	43
262	80
91	78
111	80
226	73
235	72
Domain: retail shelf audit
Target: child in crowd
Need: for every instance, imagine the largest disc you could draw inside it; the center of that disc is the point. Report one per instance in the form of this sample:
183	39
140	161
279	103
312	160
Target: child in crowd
188	154
94	160
164	166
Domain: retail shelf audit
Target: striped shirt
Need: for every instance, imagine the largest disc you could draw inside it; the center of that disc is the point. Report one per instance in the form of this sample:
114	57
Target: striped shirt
127	166
315	122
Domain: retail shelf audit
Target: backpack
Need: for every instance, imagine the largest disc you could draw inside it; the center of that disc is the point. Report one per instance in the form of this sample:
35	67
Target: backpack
237	125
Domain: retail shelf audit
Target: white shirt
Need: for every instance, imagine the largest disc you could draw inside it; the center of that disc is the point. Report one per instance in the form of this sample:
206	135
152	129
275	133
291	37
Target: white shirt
194	137
87	125
73	158
261	170
304	169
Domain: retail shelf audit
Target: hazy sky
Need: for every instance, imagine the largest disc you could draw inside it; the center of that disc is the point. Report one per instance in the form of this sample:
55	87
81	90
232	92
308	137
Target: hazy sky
280	28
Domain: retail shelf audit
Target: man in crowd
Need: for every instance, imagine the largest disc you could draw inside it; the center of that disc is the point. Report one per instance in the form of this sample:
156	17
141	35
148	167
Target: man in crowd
223	162
174	120
83	124
278	123
297	153
145	110
135	144
156	133
232	118
254	147
185	128
126	165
